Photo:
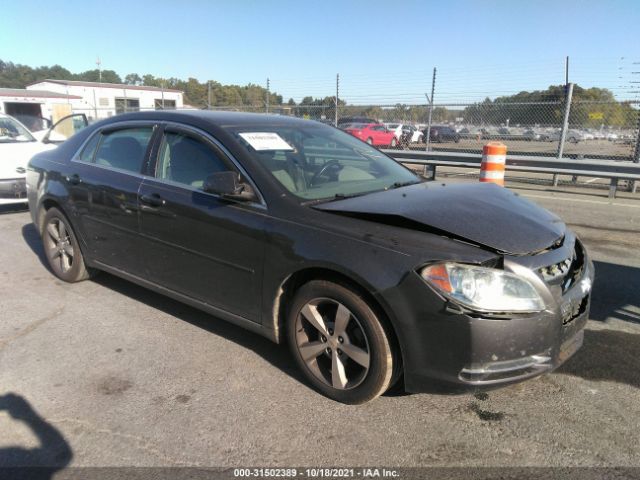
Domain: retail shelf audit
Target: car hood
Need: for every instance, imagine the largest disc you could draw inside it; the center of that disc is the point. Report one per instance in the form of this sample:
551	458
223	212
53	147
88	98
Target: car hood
483	214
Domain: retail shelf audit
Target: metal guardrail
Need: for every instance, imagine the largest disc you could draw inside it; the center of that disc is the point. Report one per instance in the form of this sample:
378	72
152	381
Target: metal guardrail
613	170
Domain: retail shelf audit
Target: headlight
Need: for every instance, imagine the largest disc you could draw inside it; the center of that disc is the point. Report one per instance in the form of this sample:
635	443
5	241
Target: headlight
484	289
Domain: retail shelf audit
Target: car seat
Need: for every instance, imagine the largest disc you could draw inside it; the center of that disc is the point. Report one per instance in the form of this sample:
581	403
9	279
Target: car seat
122	152
191	162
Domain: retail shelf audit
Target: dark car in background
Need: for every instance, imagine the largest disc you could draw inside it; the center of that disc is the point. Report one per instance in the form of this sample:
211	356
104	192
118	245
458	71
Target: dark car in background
441	134
308	236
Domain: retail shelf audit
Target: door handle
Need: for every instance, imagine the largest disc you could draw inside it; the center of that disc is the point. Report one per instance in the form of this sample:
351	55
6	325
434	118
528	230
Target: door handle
74	179
21	170
153	200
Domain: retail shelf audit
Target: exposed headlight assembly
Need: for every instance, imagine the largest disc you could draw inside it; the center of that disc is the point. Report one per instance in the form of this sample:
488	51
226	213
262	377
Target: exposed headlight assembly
483	289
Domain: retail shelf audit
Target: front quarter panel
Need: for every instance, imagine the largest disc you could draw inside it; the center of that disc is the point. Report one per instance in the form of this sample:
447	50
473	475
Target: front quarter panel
375	257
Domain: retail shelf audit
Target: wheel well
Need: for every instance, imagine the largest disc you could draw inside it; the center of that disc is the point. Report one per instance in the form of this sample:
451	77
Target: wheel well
291	285
46	205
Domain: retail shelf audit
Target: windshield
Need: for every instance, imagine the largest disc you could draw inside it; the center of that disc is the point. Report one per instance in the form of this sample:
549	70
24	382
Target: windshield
318	162
11	131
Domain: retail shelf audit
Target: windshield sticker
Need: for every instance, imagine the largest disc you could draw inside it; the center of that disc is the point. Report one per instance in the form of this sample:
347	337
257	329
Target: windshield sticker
261	141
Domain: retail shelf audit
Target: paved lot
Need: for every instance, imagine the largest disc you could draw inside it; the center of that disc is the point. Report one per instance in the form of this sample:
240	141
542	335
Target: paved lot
107	373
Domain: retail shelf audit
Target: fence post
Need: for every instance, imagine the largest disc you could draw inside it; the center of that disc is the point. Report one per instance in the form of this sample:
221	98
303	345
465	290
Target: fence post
433	87
335	120
636	155
565	126
268	95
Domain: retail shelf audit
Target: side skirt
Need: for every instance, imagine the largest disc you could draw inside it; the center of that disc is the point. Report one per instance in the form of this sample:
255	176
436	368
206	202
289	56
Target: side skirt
205	307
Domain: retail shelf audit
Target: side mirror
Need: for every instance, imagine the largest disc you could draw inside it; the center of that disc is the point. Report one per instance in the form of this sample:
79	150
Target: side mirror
227	184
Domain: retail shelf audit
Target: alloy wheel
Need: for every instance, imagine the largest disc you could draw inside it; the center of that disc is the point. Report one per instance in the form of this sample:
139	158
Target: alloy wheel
332	343
59	248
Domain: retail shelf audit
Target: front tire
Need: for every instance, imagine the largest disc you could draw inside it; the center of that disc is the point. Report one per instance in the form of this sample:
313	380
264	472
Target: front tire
370	141
62	249
394	142
340	343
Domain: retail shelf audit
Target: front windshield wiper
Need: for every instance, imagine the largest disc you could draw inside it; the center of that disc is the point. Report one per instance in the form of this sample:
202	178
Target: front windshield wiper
337	196
402	184
343	196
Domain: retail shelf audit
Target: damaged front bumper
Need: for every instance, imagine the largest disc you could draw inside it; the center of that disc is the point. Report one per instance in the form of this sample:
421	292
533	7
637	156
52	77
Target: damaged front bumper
467	350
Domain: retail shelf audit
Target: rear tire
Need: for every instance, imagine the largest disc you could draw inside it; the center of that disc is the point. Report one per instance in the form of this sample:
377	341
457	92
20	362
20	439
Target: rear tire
394	142
339	343
62	249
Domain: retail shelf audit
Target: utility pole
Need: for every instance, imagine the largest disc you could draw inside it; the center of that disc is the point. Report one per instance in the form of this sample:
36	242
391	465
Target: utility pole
162	93
208	94
98	63
566	71
268	95
430	99
335	120
636	153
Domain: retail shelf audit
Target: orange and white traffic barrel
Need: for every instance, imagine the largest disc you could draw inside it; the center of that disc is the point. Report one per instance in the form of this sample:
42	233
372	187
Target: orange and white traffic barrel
494	156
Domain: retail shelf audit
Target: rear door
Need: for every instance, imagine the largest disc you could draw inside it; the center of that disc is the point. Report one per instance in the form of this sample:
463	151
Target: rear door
103	183
197	243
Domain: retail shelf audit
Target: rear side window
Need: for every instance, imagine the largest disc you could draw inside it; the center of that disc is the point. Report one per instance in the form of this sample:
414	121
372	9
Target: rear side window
124	149
89	149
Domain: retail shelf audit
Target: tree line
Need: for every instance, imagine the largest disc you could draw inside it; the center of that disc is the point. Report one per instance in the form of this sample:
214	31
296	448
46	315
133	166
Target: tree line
196	93
590	106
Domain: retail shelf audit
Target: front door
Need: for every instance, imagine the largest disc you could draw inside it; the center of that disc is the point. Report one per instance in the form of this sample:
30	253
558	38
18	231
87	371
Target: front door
197	243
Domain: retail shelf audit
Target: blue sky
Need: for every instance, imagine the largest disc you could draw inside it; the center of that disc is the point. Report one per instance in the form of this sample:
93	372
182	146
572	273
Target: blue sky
383	50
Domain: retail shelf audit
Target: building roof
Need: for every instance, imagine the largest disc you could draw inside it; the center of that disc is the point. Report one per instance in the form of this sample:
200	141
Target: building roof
78	83
23	93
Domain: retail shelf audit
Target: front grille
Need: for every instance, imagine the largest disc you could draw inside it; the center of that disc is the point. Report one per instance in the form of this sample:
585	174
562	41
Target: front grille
566	272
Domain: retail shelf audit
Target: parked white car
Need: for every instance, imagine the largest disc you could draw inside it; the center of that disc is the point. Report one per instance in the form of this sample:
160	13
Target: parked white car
395	128
398	128
18	145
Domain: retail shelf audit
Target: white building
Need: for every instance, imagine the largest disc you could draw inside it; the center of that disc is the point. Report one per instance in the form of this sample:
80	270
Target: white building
27	105
101	100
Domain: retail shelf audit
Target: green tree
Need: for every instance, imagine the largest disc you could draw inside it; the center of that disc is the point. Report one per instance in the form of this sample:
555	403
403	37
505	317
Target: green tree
133	79
546	107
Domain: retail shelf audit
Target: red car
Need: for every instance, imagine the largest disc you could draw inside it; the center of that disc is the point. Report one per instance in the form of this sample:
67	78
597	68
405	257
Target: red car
373	133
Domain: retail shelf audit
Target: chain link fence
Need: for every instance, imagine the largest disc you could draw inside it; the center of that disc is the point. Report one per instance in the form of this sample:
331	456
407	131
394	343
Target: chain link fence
593	129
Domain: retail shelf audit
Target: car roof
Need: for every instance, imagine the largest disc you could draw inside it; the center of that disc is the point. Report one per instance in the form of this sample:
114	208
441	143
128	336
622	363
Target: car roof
221	119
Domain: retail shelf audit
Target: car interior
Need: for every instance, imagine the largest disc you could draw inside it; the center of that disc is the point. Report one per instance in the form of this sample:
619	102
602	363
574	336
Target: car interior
124	149
186	160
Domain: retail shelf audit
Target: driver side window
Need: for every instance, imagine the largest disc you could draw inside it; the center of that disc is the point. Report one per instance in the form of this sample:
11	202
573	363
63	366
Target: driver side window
187	160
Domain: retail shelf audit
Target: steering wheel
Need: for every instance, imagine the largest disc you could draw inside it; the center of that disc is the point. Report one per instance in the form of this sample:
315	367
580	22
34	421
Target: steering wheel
330	164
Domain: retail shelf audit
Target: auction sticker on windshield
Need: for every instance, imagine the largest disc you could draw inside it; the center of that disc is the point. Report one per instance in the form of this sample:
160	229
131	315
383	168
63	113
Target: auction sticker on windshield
261	141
